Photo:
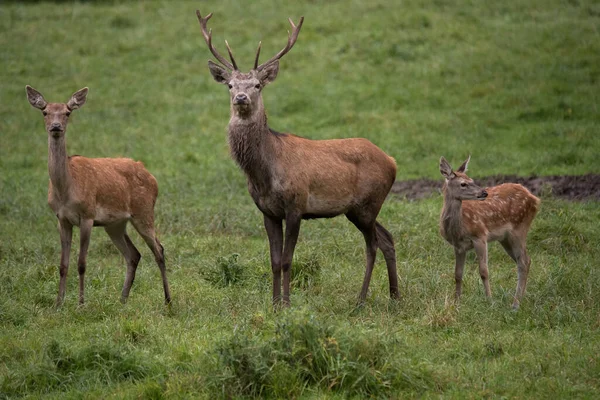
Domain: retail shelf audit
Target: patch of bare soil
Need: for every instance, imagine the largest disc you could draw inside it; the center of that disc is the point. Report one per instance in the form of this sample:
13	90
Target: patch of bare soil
570	187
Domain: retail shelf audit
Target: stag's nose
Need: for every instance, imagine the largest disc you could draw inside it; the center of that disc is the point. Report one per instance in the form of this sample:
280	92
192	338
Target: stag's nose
483	194
241	98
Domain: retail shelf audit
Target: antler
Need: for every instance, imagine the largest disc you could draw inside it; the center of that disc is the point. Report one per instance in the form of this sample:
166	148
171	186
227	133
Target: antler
208	38
290	43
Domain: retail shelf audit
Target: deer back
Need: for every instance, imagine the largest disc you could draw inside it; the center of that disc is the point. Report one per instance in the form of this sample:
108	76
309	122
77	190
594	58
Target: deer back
508	206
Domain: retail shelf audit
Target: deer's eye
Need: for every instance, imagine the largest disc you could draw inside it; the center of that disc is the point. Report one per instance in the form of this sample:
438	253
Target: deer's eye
463	184
44	113
68	113
257	86
230	86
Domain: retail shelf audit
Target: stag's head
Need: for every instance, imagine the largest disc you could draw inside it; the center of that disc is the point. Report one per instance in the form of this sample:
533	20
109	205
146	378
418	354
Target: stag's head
458	185
245	88
56	115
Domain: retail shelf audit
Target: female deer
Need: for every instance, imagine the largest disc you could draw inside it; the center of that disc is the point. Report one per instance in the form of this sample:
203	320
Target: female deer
88	192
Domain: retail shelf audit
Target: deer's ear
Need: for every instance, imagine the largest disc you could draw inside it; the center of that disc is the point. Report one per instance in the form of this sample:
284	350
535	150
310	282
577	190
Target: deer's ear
35	98
464	166
219	73
268	73
78	99
445	168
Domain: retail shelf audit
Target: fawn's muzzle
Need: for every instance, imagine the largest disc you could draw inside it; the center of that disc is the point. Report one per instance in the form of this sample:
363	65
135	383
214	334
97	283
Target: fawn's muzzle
483	195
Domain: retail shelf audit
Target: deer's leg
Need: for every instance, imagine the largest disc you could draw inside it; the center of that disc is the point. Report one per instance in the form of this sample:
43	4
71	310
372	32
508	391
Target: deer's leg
459	266
274	228
482	257
292	230
516	248
85	233
118	235
146	230
385	241
366	226
66	235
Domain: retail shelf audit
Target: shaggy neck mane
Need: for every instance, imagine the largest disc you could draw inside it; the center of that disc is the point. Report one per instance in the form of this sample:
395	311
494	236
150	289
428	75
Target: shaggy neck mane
251	144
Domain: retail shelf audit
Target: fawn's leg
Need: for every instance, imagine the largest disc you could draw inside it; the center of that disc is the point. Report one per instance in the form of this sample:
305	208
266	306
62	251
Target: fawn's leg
482	256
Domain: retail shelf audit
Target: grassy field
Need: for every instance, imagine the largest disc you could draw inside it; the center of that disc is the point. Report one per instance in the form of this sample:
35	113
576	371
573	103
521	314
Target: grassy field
514	84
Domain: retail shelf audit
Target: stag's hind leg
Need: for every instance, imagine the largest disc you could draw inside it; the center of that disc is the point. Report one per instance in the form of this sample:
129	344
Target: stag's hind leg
516	248
118	235
385	241
146	229
367	227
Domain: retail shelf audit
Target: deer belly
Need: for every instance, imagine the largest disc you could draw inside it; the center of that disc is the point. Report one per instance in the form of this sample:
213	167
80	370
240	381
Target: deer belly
320	206
105	216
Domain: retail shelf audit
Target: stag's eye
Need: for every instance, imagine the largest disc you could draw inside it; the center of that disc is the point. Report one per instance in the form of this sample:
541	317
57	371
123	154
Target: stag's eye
44	113
463	184
257	86
230	86
68	113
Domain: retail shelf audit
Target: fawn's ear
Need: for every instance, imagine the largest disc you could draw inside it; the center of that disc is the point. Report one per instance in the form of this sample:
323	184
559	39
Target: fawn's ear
77	99
464	166
445	168
219	73
35	98
268	73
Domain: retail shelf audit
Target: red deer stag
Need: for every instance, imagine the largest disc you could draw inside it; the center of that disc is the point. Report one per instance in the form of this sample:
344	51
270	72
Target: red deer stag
292	178
471	217
88	192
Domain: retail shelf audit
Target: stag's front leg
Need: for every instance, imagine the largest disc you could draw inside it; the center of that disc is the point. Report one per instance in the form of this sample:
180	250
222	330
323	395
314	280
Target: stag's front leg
66	235
482	257
85	232
292	229
274	230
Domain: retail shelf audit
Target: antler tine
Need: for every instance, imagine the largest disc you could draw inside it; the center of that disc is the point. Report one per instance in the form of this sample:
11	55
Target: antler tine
290	43
257	55
231	56
208	39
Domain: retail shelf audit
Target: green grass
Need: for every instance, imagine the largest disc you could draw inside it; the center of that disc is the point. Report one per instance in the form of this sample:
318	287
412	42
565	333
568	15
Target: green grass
515	85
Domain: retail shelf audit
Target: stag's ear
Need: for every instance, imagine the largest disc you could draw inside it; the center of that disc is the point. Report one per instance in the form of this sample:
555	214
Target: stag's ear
464	166
35	98
219	73
268	73
78	99
445	168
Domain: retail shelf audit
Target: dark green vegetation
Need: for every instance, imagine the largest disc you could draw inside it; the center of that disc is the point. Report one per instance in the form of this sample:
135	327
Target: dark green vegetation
515	84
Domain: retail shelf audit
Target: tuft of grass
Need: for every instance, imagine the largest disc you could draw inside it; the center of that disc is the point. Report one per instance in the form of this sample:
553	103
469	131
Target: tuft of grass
308	354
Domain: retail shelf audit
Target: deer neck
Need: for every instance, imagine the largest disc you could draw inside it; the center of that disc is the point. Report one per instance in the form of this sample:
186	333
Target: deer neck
452	220
250	144
58	165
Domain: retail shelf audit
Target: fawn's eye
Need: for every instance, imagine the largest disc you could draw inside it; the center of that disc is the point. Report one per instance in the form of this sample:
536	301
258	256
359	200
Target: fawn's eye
463	184
230	86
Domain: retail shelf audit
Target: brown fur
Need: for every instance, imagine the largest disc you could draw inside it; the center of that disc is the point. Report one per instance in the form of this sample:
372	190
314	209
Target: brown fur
88	192
471	217
292	178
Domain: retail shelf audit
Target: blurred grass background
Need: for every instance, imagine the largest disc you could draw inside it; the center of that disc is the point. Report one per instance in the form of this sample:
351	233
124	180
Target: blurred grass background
513	84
